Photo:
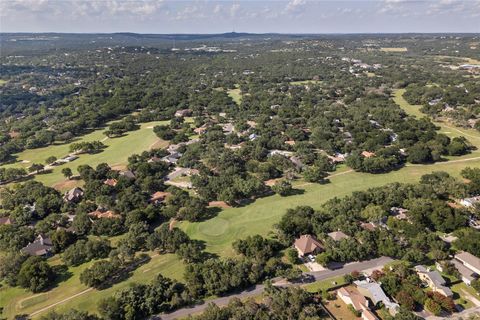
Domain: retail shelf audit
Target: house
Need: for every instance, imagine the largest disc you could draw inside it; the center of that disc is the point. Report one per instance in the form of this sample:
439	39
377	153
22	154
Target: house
337	158
154	159
469	261
228	128
183	113
127	174
399	213
280	152
171	159
467	275
5	221
159	197
297	162
200	130
351	296
375	293
434	280
307	244
104	214
110	182
338	235
369	226
470	202
74	195
368	154
42	246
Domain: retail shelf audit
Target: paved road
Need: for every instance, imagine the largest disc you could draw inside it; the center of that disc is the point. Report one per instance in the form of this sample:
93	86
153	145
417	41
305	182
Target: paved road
258	289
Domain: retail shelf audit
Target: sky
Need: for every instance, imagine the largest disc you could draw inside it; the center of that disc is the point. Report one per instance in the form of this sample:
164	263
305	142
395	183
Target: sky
207	16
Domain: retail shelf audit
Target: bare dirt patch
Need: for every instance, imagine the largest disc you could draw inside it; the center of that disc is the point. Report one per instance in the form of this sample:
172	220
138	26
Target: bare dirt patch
159	144
67	185
219	204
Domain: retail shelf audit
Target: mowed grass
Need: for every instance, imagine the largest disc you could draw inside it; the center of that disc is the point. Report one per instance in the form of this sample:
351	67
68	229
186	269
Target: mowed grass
115	154
261	216
236	95
21	301
394	49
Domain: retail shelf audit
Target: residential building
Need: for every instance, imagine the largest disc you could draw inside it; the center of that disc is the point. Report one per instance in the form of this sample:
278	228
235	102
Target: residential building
183	113
5	221
159	197
42	246
434	280
375	293
74	195
111	182
127	174
469	261
104	214
467	275
351	296
470	202
338	235
307	244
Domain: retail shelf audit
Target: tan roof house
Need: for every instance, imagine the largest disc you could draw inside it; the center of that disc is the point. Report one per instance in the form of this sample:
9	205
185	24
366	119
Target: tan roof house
307	244
338	235
351	296
159	197
5	221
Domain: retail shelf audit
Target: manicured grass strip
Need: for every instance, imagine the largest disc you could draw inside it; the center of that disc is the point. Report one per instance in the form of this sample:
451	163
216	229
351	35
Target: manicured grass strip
326	284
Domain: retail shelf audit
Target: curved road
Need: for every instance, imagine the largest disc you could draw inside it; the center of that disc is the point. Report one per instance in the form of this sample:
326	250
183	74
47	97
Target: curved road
258	289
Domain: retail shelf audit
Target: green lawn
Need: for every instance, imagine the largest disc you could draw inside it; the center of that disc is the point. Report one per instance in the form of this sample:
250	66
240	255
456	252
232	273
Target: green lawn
16	301
236	95
2	82
117	152
326	284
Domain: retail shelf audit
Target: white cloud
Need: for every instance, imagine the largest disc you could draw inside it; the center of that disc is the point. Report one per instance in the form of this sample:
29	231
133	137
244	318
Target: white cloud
295	7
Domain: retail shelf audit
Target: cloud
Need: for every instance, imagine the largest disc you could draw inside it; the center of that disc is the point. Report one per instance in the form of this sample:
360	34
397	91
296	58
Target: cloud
295	7
139	8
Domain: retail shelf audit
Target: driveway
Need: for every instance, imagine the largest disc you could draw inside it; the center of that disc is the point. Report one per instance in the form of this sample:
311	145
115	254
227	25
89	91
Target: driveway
313	266
258	289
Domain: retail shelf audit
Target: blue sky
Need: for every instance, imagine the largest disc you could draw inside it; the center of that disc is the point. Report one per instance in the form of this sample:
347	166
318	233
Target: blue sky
205	16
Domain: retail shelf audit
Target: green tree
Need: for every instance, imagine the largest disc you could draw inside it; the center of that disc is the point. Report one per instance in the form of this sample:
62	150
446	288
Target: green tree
67	173
35	274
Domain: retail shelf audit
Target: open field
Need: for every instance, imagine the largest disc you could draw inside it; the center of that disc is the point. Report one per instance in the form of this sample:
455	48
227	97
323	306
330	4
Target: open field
17	301
117	152
236	95
394	49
